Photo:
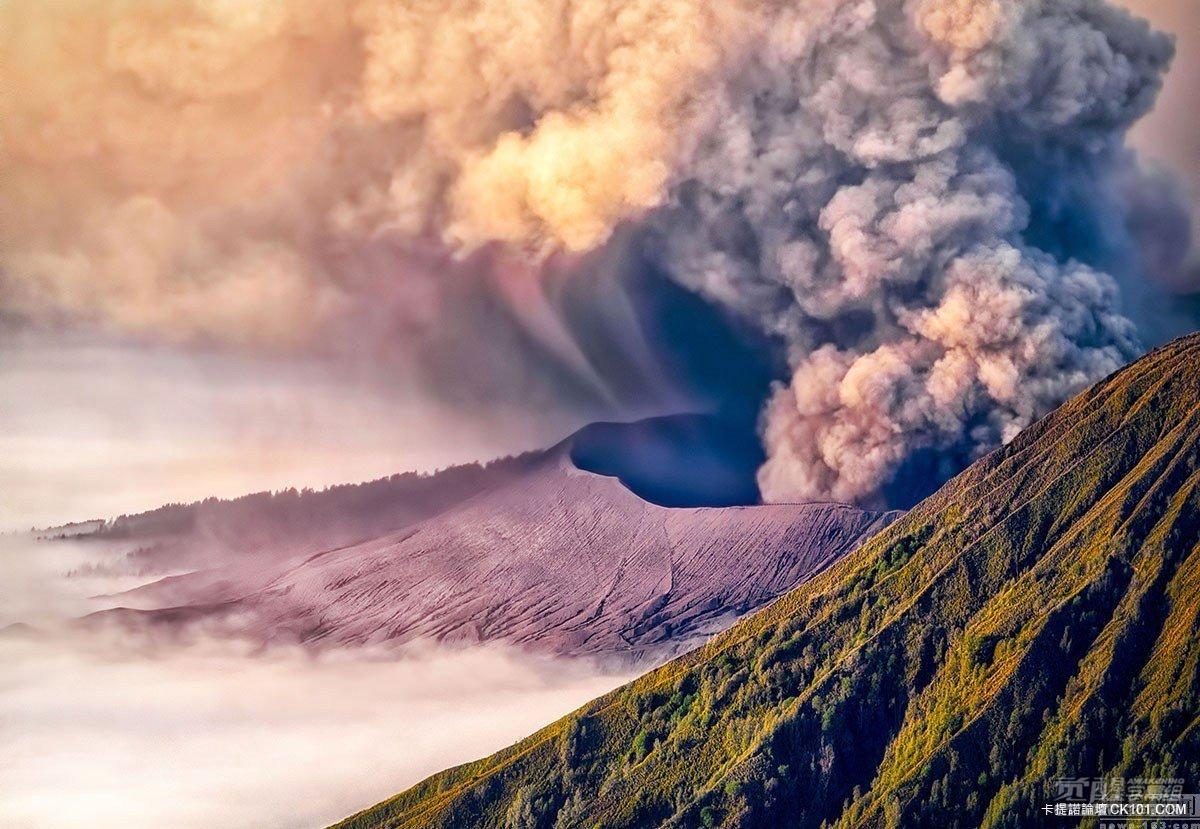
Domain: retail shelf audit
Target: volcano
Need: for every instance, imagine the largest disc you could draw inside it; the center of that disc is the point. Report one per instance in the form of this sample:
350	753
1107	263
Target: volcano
605	545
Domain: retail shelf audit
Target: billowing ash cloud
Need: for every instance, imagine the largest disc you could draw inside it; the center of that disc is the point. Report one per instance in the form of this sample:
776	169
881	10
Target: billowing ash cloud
924	202
247	171
874	190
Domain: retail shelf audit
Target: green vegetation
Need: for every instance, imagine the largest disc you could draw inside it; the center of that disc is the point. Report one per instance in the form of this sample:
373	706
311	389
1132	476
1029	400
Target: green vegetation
1035	618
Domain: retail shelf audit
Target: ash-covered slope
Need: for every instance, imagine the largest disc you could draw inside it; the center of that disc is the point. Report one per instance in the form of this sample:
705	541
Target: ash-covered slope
547	556
226	544
1035	618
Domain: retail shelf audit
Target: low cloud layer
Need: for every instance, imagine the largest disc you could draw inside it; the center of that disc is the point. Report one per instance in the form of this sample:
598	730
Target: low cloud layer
209	737
101	731
928	206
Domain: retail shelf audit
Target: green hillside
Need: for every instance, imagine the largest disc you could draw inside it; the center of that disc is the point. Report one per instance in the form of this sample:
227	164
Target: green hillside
1036	618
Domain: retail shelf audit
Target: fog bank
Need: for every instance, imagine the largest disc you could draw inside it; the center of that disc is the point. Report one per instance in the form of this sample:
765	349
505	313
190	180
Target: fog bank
99	731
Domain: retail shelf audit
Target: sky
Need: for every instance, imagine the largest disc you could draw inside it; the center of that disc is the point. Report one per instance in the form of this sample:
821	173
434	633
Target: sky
1168	134
95	429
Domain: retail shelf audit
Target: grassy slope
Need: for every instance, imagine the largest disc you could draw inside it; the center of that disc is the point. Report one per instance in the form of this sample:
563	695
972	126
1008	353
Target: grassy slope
1035	618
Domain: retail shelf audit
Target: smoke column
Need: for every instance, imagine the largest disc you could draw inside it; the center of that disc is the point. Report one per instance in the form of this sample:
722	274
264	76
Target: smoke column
926	204
873	191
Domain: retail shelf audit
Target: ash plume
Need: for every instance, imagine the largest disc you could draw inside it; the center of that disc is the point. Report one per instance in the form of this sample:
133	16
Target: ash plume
927	205
895	190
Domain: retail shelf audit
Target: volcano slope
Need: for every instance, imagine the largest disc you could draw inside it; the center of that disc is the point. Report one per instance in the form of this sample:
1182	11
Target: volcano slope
1035	618
537	552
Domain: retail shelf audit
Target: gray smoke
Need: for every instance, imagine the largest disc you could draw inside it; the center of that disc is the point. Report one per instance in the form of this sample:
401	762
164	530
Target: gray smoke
913	197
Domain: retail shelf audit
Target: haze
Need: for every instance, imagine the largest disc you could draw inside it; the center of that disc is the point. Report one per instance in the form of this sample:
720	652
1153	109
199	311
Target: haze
94	429
103	732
